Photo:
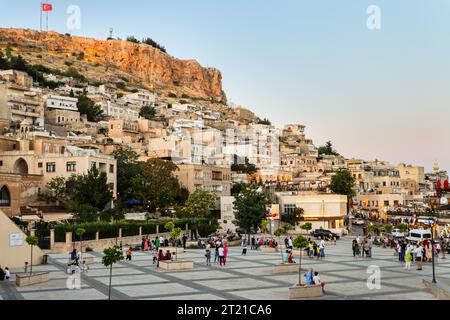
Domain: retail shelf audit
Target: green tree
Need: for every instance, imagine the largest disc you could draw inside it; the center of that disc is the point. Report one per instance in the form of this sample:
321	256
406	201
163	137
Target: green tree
132	39
402	227
243	165
293	217
238	187
300	243
157	184
148	112
89	189
175	235
18	63
264	226
80	232
200	203
9	50
388	228
57	188
265	122
111	255
32	241
307	227
127	168
343	183
327	149
154	44
88	107
4	63
250	206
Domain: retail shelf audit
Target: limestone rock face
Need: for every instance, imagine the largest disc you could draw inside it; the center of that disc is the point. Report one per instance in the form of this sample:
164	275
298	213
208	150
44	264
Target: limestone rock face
149	65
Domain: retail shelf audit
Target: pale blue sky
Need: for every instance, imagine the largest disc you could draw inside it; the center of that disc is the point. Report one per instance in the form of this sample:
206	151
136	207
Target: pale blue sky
376	94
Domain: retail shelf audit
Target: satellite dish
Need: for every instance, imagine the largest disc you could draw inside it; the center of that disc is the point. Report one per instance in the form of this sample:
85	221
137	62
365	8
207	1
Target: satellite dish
444	201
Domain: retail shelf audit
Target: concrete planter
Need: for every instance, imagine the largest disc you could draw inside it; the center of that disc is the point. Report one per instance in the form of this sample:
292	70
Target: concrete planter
176	265
89	260
305	292
23	280
285	268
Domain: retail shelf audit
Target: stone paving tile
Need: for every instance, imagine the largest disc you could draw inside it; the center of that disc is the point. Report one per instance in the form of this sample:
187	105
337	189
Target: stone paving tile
228	285
83	294
131	279
116	271
203	275
188	297
155	289
263	271
265	294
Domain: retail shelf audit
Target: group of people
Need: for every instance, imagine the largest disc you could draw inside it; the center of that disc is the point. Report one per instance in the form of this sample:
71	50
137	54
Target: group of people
416	252
259	242
76	264
313	279
362	247
316	250
5	274
159	241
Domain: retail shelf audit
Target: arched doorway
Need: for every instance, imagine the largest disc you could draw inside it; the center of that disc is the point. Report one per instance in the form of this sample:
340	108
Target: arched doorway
5	197
21	167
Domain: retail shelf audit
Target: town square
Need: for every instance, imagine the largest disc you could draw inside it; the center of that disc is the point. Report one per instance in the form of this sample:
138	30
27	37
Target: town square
227	150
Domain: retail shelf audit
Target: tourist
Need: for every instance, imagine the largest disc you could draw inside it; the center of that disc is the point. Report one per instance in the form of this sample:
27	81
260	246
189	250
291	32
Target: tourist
419	256
208	254
309	277
408	259
310	249
161	241
429	252
221	255
157	243
225	253
284	256
290	243
160	257
322	249
354	246
402	251
291	257
216	253
7	274
253	243
25	268
130	251
143	244
154	256
2	274
244	247
146	247
184	242
316	279
168	256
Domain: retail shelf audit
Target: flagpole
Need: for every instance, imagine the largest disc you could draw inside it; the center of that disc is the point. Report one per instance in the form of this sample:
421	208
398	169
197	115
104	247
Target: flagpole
46	17
41	16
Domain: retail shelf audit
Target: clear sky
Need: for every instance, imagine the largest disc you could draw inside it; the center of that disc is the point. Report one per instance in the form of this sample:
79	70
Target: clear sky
377	94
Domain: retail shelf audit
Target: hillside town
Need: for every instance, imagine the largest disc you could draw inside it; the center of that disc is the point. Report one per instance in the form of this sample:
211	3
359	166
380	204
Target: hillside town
79	152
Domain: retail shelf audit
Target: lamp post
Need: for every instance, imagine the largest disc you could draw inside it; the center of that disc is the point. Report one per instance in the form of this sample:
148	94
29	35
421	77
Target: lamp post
432	251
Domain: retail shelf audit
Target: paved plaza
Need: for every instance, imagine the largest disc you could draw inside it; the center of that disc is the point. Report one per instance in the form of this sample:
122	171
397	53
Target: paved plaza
244	277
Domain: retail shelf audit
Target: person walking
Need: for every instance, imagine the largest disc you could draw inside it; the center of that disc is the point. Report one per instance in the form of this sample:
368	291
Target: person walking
322	249
408	259
244	247
146	245
221	256
354	245
225	253
208	254
157	243
130	252
419	256
184	242
216	253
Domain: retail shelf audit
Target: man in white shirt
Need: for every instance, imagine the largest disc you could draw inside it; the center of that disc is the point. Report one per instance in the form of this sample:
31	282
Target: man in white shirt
221	255
419	256
322	248
290	243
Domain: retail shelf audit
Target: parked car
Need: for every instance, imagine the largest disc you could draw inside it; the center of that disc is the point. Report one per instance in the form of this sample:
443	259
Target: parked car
396	233
325	234
418	235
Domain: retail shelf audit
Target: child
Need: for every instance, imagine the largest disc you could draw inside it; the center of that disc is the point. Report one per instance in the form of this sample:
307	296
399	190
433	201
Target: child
408	259
84	267
25	268
154	255
7	273
129	252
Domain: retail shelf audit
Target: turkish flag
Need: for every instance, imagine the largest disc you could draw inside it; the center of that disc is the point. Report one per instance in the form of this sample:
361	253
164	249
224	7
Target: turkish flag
47	7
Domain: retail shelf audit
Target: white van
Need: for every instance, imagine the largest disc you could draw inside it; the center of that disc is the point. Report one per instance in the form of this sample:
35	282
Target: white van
418	235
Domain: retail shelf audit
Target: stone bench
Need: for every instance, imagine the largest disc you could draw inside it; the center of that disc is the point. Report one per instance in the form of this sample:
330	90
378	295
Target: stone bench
176	265
305	292
285	268
268	250
24	279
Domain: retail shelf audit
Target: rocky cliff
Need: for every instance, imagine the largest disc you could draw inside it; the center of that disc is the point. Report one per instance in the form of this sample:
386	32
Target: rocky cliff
137	63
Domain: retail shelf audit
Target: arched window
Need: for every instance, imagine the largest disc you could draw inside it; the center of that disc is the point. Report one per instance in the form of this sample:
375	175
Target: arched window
5	197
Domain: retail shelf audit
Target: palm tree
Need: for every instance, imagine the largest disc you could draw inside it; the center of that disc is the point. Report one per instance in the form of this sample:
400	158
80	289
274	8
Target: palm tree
111	255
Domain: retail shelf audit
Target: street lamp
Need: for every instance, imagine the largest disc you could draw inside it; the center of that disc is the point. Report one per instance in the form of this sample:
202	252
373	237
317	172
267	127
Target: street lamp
432	251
